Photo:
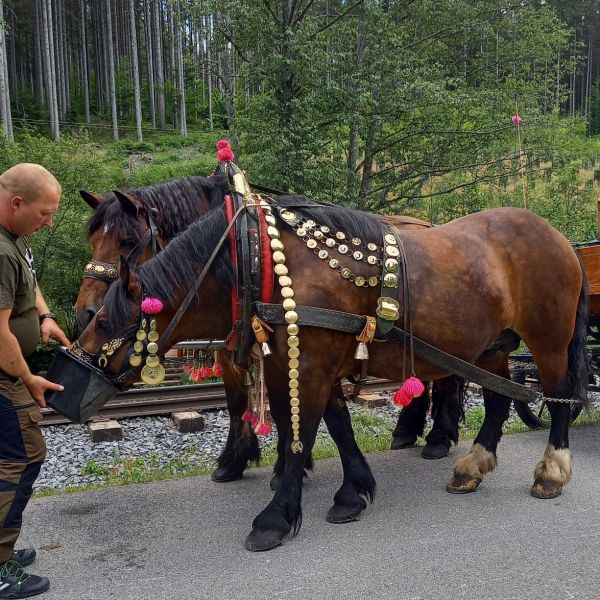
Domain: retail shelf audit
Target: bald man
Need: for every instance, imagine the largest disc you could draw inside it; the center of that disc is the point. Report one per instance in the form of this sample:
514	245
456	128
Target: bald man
29	197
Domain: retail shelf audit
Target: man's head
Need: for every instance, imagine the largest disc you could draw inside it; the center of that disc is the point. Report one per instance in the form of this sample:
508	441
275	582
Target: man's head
29	197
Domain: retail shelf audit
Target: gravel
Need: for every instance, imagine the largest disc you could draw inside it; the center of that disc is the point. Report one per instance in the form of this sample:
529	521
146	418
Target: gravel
74	460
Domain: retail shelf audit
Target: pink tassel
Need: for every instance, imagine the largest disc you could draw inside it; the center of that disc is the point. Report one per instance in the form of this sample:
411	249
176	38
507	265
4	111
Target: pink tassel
225	155
223	144
413	387
247	417
263	428
401	398
152	306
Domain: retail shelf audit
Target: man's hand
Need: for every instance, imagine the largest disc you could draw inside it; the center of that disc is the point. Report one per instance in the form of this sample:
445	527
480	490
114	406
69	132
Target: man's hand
38	385
50	329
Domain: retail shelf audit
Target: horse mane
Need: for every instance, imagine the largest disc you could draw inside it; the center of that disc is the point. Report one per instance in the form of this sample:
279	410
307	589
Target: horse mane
177	202
354	223
176	268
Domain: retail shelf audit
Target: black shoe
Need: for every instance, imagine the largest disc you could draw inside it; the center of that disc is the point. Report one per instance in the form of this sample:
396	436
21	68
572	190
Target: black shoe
16	583
24	557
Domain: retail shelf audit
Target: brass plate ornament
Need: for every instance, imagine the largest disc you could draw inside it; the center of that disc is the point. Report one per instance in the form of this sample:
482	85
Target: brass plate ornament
153	375
388	308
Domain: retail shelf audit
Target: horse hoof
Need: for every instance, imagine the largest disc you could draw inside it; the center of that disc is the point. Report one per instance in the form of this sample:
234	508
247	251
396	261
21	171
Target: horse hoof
435	451
223	475
401	441
260	540
462	484
345	514
545	490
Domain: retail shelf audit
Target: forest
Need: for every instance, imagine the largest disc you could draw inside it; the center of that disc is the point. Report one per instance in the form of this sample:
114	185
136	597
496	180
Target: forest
434	108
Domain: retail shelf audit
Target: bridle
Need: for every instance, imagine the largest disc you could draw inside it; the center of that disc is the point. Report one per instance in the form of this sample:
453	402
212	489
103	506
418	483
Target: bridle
109	272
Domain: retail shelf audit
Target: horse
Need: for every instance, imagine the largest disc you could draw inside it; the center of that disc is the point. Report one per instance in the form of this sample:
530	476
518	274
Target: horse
483	283
120	223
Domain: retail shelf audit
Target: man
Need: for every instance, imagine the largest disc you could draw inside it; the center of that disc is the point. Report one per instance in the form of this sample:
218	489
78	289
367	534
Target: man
29	197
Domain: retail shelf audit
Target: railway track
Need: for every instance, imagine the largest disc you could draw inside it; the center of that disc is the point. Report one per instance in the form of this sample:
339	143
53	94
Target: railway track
144	402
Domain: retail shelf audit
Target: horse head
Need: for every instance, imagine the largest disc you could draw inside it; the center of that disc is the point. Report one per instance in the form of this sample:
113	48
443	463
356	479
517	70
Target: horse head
120	226
140	305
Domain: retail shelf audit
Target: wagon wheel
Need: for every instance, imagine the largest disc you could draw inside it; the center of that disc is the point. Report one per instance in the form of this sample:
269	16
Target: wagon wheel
536	414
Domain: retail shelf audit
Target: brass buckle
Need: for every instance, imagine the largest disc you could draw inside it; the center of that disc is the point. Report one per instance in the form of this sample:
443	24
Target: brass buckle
388	308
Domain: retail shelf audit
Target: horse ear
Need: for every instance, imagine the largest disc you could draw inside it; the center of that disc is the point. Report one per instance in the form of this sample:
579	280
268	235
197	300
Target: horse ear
92	200
129	278
129	203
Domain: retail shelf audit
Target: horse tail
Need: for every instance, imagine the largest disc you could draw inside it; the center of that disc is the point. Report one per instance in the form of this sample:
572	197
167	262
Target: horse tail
578	368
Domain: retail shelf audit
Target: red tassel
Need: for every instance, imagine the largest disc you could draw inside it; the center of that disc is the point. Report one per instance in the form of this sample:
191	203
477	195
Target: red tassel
401	398
413	387
247	417
225	155
254	420
263	428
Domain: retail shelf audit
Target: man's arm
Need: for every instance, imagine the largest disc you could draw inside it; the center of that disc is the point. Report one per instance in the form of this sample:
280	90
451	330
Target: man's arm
13	363
48	327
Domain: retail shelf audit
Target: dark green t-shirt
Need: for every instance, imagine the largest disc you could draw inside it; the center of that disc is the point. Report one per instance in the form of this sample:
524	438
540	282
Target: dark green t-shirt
17	290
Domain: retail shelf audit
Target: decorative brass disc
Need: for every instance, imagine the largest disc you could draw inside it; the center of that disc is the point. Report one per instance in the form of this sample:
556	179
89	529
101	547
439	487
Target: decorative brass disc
318	235
346	273
152	361
311	244
138	347
323	254
140	335
358	255
390	238
359	281
342	248
301	232
373	281
153	336
371	246
325	229
391	265
334	263
392	251
372	260
356	241
340	235
135	360
152	348
153	375
330	242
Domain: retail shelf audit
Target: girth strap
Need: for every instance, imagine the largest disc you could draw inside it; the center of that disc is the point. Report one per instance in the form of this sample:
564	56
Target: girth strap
349	323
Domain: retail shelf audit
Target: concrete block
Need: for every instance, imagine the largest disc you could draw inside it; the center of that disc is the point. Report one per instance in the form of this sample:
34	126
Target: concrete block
188	422
371	399
105	431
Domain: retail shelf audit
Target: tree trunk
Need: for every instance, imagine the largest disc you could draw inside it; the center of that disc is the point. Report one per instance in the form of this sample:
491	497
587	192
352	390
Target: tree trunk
84	62
111	70
160	79
181	74
50	68
5	114
150	53
135	74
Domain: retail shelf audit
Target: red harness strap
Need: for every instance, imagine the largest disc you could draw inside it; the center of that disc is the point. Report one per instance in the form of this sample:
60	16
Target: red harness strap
266	257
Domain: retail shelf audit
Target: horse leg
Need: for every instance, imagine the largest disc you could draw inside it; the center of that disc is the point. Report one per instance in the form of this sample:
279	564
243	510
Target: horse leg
554	469
242	444
447	409
411	422
284	513
481	459
358	485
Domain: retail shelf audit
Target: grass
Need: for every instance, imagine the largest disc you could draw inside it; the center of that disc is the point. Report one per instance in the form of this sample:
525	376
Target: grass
373	434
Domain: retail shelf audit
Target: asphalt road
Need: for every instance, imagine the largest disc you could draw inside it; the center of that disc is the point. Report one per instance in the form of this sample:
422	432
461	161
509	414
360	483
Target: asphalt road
185	540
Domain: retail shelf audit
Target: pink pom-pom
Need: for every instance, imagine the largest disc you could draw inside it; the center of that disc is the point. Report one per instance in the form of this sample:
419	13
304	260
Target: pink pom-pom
516	119
247	416
217	370
223	144
263	428
152	306
225	155
401	398
413	387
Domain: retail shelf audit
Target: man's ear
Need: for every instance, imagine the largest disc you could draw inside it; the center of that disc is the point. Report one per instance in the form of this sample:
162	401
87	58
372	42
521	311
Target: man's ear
16	201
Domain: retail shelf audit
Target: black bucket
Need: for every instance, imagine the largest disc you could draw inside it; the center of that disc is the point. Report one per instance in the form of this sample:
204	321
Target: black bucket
86	391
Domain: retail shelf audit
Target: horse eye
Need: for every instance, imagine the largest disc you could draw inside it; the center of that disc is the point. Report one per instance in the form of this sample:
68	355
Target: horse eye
128	243
102	324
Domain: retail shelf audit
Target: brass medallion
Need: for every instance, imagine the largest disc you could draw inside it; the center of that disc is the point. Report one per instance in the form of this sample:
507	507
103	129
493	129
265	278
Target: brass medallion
152	361
152	348
153	336
140	335
153	375
135	360
138	347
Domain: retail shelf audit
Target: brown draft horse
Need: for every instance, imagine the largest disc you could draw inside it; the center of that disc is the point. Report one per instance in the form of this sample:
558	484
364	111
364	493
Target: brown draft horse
483	282
120	220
